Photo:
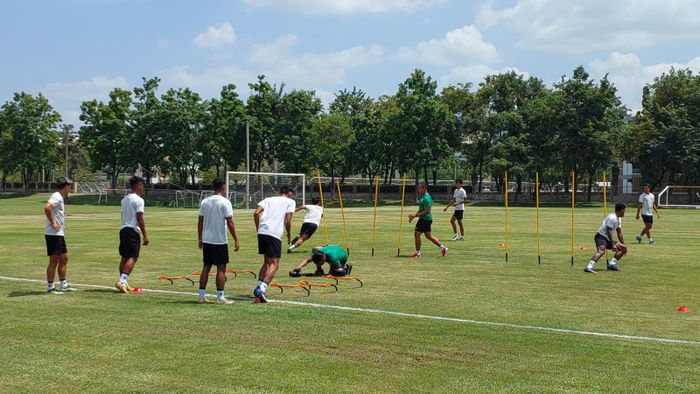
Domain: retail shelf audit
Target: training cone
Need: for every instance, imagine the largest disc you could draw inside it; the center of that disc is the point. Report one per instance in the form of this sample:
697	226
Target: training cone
582	247
137	290
683	309
501	244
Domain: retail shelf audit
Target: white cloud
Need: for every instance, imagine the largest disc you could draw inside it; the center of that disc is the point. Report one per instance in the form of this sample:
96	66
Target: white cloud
216	37
209	82
344	6
595	24
458	46
629	75
66	97
475	74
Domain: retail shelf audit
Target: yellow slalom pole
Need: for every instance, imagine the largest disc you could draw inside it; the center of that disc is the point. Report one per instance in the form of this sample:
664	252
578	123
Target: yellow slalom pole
506	176
323	217
342	211
573	199
537	205
403	193
605	206
374	220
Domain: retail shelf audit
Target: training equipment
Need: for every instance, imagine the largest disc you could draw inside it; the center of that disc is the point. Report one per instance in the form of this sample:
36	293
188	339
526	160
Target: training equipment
121	288
374	219
403	194
342	212
137	290
678	196
172	279
537	220
248	188
323	217
683	309
506	200
573	201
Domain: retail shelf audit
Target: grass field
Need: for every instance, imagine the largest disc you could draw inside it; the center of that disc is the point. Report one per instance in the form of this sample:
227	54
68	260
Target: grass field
96	340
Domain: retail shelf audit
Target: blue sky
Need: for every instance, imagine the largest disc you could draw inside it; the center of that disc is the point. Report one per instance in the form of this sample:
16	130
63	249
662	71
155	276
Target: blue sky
74	50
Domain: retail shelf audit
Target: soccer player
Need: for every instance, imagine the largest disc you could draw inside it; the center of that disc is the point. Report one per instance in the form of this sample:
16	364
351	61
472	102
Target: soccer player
604	240
647	202
272	217
133	227
458	198
425	220
334	255
215	215
54	234
312	220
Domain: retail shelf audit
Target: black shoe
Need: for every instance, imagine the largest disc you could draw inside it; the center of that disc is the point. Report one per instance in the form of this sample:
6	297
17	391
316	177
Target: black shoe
613	267
295	274
348	268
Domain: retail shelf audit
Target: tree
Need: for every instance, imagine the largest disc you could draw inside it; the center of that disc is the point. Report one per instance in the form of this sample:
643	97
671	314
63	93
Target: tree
359	110
106	133
224	135
667	130
145	145
29	138
332	138
263	110
291	135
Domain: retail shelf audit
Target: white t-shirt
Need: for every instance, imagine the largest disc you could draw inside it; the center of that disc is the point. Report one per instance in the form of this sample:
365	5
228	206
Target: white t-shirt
460	196
274	211
313	214
57	209
215	209
131	205
611	221
647	201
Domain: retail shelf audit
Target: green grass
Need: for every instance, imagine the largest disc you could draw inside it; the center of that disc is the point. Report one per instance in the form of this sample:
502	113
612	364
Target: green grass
95	340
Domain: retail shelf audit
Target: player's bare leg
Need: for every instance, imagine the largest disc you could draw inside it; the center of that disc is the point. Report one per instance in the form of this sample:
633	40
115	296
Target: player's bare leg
600	251
461	228
437	242
125	267
620	250
418	241
265	276
51	272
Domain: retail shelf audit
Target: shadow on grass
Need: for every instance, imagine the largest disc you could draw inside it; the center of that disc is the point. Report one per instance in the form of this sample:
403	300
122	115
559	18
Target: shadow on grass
10	195
26	293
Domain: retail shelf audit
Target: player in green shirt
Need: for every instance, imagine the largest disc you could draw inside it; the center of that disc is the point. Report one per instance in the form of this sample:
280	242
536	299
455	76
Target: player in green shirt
334	255
425	220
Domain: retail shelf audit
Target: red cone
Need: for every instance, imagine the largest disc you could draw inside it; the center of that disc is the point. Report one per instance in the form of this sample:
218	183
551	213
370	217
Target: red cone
137	290
683	309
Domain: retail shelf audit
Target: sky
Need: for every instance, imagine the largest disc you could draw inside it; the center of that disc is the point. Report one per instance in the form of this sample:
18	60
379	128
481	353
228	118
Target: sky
76	50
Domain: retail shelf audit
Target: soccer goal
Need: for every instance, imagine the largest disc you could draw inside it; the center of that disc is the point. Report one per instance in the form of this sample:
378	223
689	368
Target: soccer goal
248	188
677	196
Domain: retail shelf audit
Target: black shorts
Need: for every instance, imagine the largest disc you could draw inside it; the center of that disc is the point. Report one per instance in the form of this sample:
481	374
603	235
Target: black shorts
648	219
269	246
129	242
55	245
424	226
601	240
459	214
308	229
214	254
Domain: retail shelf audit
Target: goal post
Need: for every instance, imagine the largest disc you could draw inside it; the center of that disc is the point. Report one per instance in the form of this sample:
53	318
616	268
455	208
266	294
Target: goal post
245	189
678	196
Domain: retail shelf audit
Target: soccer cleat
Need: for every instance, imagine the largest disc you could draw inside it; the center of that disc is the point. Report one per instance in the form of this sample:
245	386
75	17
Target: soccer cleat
444	252
224	301
129	287
415	256
589	270
652	242
612	267
295	273
259	296
68	288
455	238
202	300
289	250
639	239
461	238
295	239
122	288
55	291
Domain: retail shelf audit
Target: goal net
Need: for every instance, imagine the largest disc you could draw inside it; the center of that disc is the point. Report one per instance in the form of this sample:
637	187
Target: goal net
246	189
680	197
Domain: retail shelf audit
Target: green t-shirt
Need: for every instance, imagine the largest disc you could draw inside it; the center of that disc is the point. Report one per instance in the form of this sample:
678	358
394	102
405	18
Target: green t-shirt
337	256
426	202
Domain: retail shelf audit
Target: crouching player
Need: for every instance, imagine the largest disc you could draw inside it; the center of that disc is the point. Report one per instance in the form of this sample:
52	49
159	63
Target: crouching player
604	240
334	255
312	220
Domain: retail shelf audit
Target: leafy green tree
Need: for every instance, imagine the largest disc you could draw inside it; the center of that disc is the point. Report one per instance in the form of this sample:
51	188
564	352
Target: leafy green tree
146	140
262	108
29	138
291	136
332	138
224	135
359	109
667	130
107	134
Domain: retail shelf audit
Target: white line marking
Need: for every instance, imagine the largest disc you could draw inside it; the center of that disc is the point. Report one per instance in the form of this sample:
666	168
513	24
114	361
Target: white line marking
411	315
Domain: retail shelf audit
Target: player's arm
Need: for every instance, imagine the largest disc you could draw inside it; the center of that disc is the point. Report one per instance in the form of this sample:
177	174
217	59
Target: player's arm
303	263
288	226
656	209
232	230
142	226
256	216
619	235
48	211
449	204
608	231
200	227
301	208
639	208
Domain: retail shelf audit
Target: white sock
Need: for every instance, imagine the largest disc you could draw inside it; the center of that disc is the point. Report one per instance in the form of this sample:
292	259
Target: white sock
64	284
418	252
613	261
441	246
292	247
219	294
124	279
51	286
651	239
202	293
590	264
455	235
263	286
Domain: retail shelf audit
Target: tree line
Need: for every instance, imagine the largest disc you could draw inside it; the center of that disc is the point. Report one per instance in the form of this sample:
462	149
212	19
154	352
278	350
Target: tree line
508	122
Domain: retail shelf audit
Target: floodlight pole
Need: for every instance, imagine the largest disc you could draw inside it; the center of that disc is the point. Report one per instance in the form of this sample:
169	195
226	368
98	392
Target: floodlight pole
247	165
65	128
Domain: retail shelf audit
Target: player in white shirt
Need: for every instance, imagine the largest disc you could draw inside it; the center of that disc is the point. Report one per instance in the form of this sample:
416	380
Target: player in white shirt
272	217
459	197
312	220
647	203
133	227
604	240
215	215
54	234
